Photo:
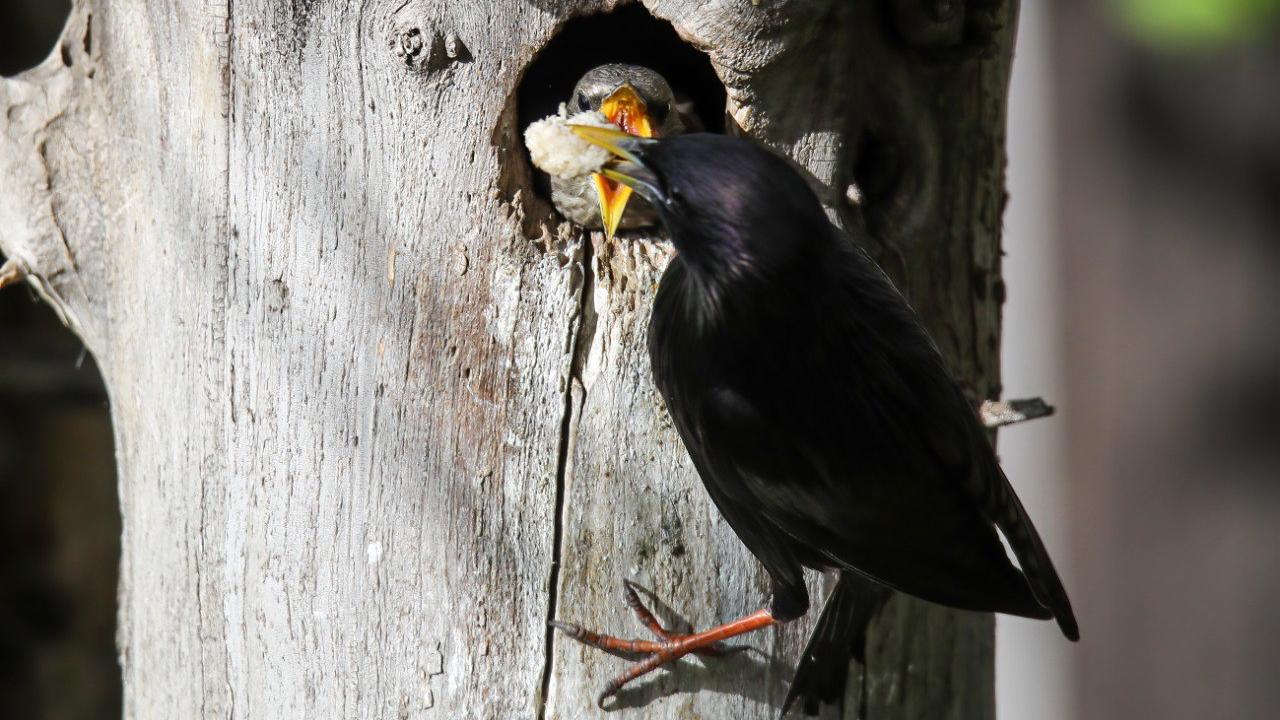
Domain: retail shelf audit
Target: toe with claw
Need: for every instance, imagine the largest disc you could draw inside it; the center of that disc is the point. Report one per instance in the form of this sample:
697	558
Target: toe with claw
650	655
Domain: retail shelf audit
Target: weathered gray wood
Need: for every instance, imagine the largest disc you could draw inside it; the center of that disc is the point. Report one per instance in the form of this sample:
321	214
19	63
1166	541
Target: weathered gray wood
371	435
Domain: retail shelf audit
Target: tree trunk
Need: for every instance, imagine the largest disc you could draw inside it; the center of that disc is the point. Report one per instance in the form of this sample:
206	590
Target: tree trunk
371	436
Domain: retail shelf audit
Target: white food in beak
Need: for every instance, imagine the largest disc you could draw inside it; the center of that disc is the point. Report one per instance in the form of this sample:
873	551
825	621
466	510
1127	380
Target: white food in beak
557	151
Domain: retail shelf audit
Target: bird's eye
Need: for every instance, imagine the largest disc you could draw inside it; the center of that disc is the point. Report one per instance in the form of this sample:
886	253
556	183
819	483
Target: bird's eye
659	113
674	196
583	103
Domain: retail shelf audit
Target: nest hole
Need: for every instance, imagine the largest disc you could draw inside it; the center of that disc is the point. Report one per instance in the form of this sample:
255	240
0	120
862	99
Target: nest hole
629	34
29	32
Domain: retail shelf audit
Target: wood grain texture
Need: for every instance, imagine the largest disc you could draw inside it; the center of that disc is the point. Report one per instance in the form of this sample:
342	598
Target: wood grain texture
379	417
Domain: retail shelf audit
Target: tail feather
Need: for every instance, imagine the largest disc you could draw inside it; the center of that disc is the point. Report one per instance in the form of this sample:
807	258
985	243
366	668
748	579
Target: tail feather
841	634
1034	559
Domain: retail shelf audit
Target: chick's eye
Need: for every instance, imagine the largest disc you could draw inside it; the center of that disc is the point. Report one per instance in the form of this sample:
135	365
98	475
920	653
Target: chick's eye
583	104
659	113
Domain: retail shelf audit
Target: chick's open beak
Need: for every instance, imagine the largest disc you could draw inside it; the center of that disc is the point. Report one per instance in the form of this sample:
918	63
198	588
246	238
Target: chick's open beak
625	109
630	174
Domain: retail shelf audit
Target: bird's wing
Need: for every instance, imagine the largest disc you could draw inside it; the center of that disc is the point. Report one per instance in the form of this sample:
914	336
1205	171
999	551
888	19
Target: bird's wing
948	434
778	552
861	446
912	535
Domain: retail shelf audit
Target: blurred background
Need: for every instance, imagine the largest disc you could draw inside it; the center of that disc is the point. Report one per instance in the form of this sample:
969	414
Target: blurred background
1143	266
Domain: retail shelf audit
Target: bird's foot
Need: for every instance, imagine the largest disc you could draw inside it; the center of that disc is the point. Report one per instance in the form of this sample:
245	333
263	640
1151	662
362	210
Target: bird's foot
650	654
632	595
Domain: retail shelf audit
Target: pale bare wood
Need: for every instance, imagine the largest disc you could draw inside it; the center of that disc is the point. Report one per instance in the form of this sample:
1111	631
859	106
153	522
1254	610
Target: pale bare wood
371	436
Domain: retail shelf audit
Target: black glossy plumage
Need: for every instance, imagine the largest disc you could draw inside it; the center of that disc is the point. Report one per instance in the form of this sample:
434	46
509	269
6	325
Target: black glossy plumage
818	411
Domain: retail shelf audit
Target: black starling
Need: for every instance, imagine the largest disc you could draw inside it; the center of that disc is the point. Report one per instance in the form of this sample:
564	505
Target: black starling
817	411
639	101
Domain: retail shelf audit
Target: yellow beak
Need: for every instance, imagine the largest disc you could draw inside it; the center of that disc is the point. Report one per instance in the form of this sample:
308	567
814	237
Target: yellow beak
614	140
625	109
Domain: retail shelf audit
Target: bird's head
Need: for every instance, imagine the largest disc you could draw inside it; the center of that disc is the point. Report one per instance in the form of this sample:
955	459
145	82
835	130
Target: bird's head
730	205
634	98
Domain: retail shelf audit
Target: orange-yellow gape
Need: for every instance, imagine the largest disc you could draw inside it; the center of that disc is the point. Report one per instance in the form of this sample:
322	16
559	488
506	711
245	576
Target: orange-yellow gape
625	109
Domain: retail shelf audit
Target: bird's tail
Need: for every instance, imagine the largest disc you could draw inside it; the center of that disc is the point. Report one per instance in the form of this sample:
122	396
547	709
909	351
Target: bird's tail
841	634
1034	560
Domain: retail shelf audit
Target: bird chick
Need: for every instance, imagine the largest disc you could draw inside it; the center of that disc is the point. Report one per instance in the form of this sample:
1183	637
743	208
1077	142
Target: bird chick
818	413
639	101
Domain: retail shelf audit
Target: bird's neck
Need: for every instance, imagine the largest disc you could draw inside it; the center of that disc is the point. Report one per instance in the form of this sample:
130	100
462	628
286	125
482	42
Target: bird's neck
730	270
719	298
715	269
690	294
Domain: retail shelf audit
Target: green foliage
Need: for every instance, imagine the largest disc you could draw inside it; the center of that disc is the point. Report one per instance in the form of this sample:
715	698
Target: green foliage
1199	23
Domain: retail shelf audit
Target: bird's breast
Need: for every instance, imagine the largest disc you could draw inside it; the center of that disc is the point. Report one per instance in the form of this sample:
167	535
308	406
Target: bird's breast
680	350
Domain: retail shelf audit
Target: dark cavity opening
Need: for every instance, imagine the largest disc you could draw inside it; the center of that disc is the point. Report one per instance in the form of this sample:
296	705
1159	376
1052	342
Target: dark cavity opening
627	35
28	31
878	174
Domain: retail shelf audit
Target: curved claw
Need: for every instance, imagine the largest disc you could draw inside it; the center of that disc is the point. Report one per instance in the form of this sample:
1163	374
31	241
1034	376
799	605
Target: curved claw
651	655
611	688
631	593
625	649
573	631
632	597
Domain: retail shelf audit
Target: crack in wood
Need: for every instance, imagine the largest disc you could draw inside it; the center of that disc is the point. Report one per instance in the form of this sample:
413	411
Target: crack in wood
584	336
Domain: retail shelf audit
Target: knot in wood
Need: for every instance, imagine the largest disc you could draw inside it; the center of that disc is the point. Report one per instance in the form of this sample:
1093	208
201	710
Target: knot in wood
409	45
930	24
428	50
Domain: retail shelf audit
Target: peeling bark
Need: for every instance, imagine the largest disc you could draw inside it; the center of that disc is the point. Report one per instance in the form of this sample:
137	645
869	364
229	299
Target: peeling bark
371	437
996	414
11	272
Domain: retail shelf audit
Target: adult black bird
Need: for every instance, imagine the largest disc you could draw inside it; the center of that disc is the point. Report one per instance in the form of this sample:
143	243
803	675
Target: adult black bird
817	411
639	101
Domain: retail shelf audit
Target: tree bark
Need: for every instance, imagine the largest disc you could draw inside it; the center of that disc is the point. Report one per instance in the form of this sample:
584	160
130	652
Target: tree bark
371	437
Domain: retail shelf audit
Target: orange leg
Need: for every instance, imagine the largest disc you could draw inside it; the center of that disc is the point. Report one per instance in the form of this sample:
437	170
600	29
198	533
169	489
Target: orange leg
648	620
662	652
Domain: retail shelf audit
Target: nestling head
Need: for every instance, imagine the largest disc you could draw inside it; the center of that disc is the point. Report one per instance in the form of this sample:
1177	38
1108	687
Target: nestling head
729	204
627	94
